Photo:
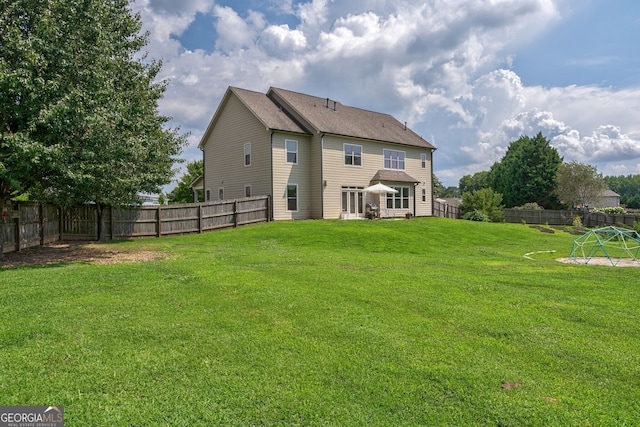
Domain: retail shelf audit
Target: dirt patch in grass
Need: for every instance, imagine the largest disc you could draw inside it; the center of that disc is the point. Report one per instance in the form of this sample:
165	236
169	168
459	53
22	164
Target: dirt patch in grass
600	260
65	252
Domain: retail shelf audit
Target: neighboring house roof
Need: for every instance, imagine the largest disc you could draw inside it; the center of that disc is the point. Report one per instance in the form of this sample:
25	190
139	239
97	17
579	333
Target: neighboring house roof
198	183
392	175
284	110
609	193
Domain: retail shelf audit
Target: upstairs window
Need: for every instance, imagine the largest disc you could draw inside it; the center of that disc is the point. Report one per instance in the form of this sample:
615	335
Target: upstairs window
352	155
247	154
292	151
394	159
423	160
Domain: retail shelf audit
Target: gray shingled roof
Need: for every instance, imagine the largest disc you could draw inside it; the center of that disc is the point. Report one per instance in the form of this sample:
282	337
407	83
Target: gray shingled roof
272	116
347	121
393	175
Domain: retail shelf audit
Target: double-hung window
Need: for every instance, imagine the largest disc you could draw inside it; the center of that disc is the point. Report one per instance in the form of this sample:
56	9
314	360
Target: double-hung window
292	151
423	160
394	159
247	154
292	197
353	155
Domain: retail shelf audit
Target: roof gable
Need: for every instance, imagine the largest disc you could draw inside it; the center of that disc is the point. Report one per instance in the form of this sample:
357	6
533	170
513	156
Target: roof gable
269	114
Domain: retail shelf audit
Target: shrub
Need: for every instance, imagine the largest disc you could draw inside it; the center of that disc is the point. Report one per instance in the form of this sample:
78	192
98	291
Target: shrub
610	210
532	206
476	216
484	203
577	221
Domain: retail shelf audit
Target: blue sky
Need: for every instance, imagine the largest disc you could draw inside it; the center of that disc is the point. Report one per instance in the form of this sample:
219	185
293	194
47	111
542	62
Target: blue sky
470	76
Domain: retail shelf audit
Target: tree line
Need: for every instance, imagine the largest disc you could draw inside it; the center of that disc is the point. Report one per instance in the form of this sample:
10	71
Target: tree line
533	174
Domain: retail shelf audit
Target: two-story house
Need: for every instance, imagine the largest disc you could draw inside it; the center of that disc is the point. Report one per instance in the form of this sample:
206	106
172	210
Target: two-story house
314	156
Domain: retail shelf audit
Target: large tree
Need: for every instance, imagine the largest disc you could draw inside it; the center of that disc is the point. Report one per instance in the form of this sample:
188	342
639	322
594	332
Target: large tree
579	184
79	119
183	193
477	181
527	173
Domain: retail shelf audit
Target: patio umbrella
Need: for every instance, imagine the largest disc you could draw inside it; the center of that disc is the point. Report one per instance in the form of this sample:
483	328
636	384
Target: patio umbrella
379	188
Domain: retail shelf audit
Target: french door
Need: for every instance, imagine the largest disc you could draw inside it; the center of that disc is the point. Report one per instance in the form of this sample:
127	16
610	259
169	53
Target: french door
352	202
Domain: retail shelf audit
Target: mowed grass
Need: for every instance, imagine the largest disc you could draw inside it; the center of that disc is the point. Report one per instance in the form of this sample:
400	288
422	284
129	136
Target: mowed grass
333	323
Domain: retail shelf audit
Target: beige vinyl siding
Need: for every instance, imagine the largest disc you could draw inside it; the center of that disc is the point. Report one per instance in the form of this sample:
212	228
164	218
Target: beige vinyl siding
286	173
414	163
224	153
317	177
338	175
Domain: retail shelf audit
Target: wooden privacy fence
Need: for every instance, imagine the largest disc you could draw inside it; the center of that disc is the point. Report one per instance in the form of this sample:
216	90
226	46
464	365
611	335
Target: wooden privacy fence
557	217
33	224
445	210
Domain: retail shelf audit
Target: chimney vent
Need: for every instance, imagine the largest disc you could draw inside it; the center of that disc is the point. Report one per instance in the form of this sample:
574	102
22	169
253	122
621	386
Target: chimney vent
327	106
334	105
405	125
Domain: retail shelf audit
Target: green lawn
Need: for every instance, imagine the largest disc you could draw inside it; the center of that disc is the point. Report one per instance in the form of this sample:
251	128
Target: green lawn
338	323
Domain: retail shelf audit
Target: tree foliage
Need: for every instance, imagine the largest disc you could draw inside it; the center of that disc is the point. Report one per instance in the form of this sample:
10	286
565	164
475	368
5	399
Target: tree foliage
482	205
78	113
438	186
527	173
578	184
628	187
183	192
477	181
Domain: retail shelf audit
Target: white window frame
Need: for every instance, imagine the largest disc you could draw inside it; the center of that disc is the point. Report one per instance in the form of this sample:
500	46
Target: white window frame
287	152
287	197
247	190
352	155
391	157
398	198
247	154
423	160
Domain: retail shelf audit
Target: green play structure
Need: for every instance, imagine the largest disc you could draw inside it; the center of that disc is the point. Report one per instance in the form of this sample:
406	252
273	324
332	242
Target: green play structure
615	244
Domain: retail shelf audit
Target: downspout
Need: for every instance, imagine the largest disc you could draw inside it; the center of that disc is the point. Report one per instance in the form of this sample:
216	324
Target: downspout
431	180
204	179
271	202
321	176
415	198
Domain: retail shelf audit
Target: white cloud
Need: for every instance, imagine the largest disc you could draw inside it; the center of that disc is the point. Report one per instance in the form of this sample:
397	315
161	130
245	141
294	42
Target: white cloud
280	41
435	64
233	31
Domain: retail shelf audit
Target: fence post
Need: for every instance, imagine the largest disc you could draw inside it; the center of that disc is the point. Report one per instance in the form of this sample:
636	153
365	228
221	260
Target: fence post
235	213
112	223
267	212
41	213
17	221
159	221
200	218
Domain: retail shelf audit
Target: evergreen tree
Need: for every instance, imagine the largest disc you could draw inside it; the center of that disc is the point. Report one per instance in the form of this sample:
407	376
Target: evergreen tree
527	173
